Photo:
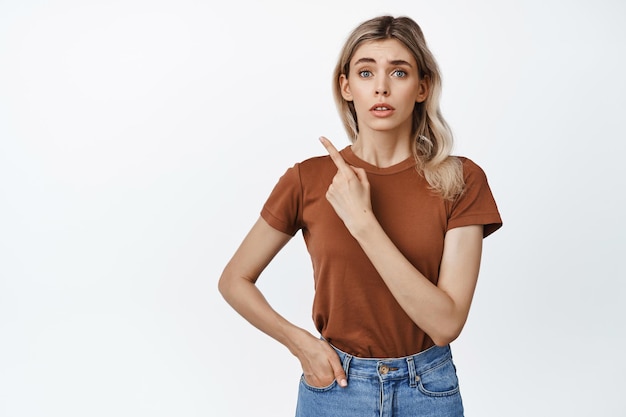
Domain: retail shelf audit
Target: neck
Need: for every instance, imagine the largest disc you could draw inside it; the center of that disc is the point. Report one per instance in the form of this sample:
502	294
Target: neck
382	149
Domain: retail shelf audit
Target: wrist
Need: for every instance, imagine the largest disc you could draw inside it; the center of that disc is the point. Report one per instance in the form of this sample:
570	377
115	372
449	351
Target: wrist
363	225
296	339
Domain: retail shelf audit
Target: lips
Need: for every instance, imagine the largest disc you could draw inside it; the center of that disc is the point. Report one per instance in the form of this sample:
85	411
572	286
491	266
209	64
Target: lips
381	107
382	110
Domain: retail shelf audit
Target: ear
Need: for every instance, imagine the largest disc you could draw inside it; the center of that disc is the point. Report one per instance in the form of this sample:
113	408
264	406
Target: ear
344	86
424	89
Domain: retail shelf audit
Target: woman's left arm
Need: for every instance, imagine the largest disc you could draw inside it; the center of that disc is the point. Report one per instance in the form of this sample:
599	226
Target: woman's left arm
440	310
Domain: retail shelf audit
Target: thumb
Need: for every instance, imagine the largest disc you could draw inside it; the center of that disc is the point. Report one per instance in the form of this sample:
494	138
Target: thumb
361	175
340	374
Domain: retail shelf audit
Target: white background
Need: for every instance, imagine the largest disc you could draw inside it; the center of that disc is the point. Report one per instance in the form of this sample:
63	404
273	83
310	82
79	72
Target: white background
139	140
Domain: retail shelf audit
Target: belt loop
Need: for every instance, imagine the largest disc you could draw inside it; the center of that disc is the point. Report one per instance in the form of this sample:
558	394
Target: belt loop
346	363
412	375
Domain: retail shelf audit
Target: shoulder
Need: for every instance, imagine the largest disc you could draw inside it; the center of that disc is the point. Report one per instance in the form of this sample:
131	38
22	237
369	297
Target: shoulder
472	172
469	166
306	172
474	177
315	162
315	167
476	204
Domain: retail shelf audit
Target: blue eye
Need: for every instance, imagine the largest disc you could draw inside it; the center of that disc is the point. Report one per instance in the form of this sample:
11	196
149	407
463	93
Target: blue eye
365	74
399	73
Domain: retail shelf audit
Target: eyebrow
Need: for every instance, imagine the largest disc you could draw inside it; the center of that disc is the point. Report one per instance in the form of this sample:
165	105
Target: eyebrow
373	61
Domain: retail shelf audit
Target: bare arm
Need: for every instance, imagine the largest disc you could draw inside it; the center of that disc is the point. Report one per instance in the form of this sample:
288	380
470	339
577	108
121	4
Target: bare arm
237	285
441	310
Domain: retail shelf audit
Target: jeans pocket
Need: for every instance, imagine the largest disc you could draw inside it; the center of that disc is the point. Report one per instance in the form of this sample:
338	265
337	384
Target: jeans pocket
440	381
317	389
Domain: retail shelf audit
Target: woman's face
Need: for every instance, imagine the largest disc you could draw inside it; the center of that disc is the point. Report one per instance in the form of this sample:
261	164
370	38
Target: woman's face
384	85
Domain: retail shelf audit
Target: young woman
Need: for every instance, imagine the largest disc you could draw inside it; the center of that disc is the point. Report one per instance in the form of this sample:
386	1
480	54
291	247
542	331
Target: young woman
394	226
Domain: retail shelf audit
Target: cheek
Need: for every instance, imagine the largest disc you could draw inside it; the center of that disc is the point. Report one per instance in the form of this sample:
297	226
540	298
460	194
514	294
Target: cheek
360	107
418	95
359	98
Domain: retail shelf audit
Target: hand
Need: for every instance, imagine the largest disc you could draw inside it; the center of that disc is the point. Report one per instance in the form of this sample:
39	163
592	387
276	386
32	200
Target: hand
320	363
349	193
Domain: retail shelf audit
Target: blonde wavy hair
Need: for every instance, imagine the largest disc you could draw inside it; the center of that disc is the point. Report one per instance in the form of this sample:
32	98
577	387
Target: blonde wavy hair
432	137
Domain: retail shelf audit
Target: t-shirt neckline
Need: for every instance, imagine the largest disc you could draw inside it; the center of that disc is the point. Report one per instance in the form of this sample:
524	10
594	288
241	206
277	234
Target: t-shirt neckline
350	157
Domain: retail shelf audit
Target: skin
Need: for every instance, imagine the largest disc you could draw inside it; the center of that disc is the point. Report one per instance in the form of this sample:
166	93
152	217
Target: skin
383	72
380	72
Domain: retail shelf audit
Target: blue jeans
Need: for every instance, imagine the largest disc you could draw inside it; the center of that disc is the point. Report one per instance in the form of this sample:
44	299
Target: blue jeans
424	384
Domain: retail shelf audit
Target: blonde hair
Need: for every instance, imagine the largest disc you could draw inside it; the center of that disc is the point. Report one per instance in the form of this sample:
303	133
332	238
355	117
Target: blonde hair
432	137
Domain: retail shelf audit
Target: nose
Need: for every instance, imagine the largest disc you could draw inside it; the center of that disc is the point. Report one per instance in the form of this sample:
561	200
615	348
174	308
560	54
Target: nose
382	88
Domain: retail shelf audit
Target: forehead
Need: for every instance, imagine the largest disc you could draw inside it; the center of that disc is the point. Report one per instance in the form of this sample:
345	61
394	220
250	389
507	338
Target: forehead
383	50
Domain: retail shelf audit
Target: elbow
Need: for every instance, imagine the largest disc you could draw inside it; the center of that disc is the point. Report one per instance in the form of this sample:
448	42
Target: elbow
443	337
224	284
442	340
230	284
221	286
447	327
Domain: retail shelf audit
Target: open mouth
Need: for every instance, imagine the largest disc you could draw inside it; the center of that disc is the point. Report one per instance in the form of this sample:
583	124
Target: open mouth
381	107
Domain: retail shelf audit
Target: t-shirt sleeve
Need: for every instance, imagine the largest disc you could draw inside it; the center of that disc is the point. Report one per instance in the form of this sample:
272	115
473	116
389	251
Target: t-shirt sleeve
476	204
283	208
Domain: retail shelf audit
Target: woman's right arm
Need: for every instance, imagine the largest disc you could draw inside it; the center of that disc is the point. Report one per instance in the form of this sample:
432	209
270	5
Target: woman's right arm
319	361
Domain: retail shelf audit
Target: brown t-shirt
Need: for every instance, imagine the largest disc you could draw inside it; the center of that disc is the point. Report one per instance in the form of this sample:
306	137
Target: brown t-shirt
353	308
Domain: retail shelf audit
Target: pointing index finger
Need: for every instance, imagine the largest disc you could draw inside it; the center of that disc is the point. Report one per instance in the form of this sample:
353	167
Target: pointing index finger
334	155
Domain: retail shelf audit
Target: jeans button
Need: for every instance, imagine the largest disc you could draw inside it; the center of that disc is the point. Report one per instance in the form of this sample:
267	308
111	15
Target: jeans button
384	369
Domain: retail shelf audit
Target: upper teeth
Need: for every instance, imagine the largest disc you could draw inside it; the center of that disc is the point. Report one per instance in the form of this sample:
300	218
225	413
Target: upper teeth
381	108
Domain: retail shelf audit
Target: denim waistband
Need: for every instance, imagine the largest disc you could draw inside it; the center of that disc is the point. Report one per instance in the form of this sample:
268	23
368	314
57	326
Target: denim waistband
395	368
